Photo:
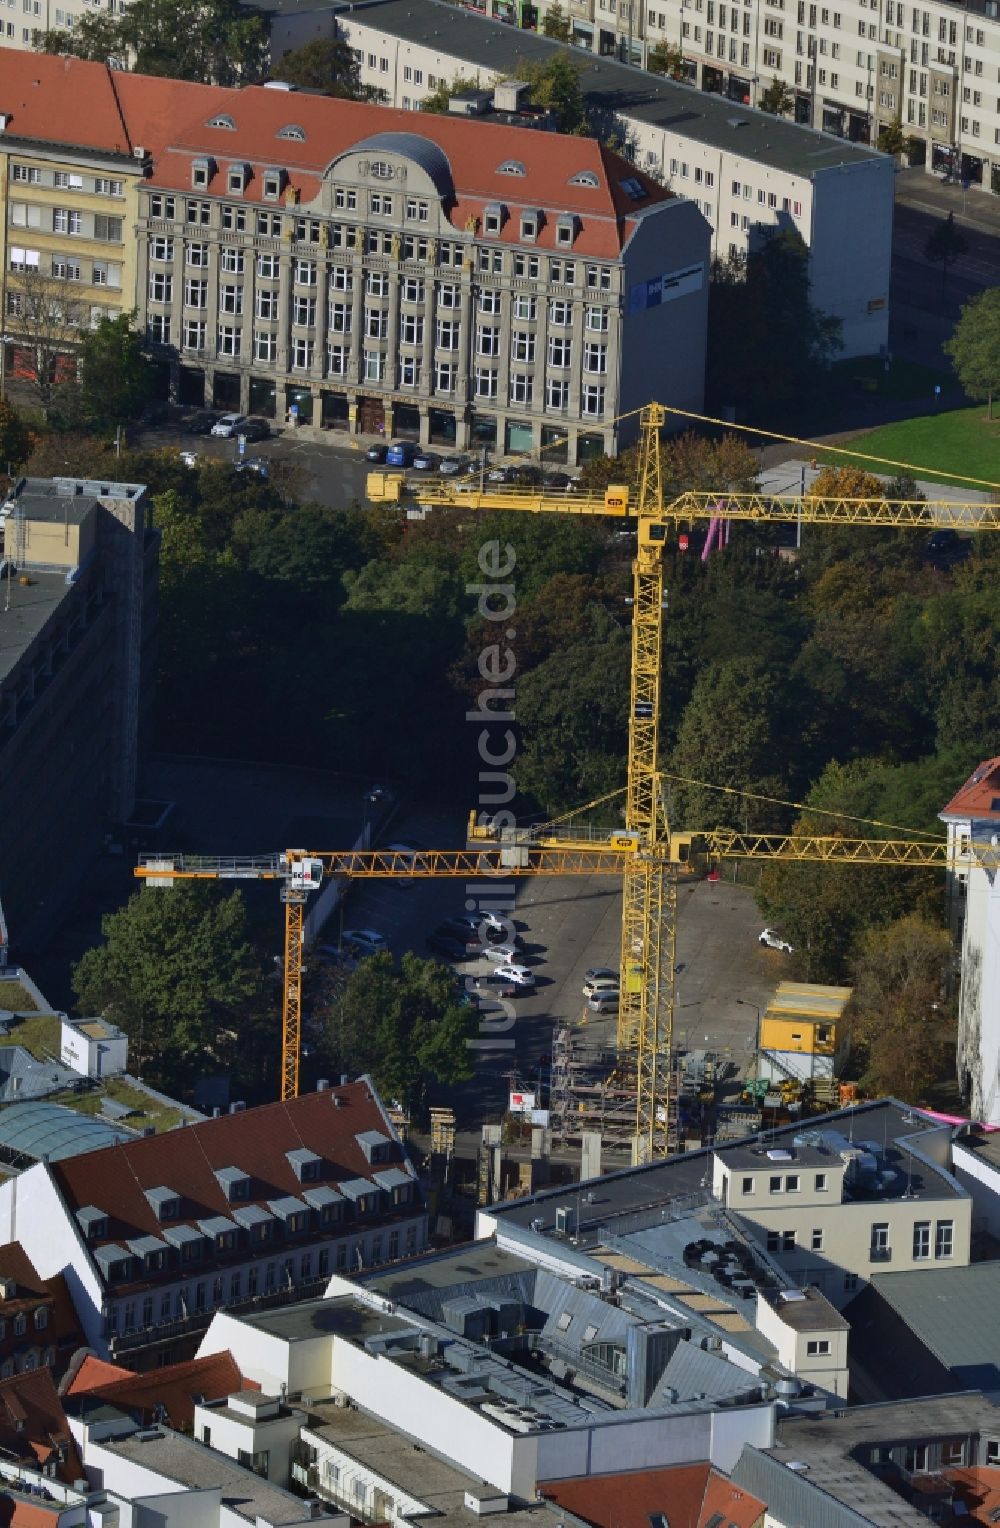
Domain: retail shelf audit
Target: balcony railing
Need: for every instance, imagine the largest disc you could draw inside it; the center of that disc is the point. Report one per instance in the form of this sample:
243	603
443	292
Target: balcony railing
880	1254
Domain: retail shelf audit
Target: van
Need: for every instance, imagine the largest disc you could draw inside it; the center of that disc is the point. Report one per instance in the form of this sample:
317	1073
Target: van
400	454
603	1002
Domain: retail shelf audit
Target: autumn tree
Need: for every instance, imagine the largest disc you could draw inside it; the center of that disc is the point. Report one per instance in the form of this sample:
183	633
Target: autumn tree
438	99
556	23
665	58
974	347
777	99
44	319
899	1020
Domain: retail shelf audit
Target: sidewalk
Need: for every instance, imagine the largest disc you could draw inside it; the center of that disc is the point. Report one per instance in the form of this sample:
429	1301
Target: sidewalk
931	194
796	476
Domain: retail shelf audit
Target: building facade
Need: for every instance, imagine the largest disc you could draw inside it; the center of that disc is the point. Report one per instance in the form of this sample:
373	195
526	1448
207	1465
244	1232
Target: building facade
357	268
747	172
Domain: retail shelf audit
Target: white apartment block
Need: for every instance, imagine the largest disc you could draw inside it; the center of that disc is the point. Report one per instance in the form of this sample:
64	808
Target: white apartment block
747	172
21	19
852	65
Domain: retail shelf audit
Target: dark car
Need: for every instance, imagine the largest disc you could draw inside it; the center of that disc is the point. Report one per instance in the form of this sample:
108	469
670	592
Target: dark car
255	429
377	453
528	475
256	466
426	461
447	945
200	422
496	984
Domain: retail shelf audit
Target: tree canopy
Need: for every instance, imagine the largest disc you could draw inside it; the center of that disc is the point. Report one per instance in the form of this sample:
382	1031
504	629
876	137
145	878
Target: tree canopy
115	374
777	99
327	65
556	23
974	347
225	43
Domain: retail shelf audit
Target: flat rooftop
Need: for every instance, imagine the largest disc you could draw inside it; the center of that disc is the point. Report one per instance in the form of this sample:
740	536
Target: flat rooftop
62	498
610	86
807	1310
191	1464
342	1316
25	611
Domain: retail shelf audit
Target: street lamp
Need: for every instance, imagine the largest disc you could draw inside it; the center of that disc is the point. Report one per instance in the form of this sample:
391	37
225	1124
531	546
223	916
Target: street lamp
746	1003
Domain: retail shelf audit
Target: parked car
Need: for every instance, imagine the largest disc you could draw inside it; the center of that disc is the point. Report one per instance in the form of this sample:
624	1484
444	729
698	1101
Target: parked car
604	1002
773	941
255	429
472	923
602	984
189	458
521	976
412	852
505	951
528	475
497	984
200	422
365	940
502	475
426	461
401	454
377	452
228	425
255	465
452	466
557	480
447	945
595	973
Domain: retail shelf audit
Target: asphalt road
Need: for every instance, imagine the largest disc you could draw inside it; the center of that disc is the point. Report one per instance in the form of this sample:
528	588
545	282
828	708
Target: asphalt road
329	472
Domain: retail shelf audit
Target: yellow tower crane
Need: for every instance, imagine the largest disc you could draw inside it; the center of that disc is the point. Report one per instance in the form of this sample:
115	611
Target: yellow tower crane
648	854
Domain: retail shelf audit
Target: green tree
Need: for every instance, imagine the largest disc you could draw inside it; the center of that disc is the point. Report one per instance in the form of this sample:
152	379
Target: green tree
974	347
945	244
665	58
406	1024
901	1031
178	973
731	734
438	99
556	23
115	374
556	86
225	43
777	99
327	65
16	440
891	137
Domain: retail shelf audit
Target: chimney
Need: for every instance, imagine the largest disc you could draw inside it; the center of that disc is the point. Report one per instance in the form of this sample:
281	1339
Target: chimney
322	1083
345	1078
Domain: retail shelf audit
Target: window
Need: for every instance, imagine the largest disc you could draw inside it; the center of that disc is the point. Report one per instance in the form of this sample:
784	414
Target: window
560	351
562	272
448	296
413	289
445	379
489	301
409	371
20	1324
66	270
556	393
413	248
818	1347
267	267
65	220
266	304
377	284
28	174
272	184
161	206
381	204
345	199
196	255
411	329
944	1239
595	358
492	220
66	180
447	334
416	211
524	306
265	346
107	229
746	1185
522	345
193	333
593	398
229	340
305	273
599	277
921	1240
915	1460
304	312
234	219
820	1183
597	320
231	299
486	383
487	341
521	387
374	366
376	324
816	1241
560	314
526	265
105	274
788	1239
269	225
302	356
24	215
339	317
491	261
774	1184
773	1241
993	1450
341	278
337	357
880	1251
161	286
198	212
792	1183
953	1454
231	260
850	1281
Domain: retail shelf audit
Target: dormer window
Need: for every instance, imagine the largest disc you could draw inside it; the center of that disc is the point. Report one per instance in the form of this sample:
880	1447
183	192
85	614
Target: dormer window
92	1222
223	122
235	1183
201	173
585	178
293	131
565	229
493	218
531	222
164	1203
273	182
375	1145
236	179
510	167
306	1165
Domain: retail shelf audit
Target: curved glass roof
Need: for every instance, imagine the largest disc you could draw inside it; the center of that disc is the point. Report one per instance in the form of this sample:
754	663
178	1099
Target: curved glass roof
53	1131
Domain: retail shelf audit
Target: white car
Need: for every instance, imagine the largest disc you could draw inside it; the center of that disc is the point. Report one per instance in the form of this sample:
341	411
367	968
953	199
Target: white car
414	860
602	984
229	425
521	976
595	973
774	941
365	940
505	951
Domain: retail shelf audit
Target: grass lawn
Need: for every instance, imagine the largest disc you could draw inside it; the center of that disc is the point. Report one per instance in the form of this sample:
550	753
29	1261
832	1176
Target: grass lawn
14	997
903	379
940	445
42	1036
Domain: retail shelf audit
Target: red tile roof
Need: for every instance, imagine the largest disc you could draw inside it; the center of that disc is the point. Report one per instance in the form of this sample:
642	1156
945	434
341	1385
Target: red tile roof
57	100
979	1488
979	797
33	1425
62	1330
173	1388
115	1179
28	1514
686	1494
